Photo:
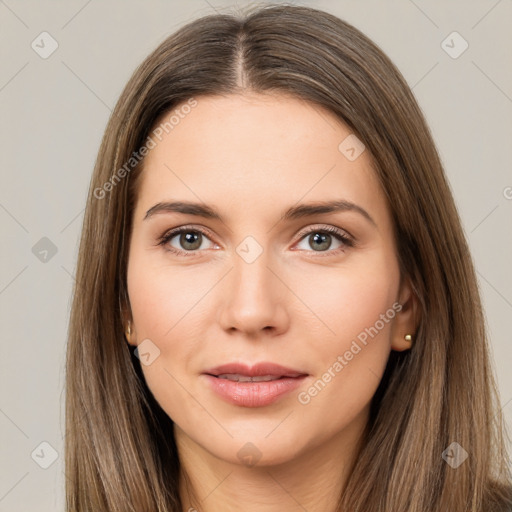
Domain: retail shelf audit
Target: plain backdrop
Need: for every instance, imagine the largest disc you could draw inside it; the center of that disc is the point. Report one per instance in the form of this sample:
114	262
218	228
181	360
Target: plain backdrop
53	113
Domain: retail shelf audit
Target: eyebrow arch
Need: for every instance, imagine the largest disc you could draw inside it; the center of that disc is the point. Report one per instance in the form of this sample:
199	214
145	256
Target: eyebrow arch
294	212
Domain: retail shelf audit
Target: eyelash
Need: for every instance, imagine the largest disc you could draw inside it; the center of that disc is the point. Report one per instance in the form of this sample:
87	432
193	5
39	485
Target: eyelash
331	230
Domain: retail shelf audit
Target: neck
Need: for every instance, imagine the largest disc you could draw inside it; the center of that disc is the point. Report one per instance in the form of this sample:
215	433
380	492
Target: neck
312	480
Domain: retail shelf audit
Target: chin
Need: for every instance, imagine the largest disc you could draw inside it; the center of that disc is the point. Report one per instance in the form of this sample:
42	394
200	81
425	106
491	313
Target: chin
256	450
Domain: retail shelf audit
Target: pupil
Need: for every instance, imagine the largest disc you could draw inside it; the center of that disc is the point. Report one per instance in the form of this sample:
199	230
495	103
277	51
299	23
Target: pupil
323	240
191	238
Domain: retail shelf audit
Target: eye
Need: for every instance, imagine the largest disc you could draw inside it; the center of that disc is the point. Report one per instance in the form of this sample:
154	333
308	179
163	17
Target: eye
188	240
321	239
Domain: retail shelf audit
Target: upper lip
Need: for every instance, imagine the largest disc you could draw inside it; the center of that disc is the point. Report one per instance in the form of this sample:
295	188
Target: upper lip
257	370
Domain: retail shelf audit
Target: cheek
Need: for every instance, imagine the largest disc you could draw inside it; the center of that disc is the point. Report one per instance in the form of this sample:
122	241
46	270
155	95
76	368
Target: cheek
356	310
346	301
164	299
166	308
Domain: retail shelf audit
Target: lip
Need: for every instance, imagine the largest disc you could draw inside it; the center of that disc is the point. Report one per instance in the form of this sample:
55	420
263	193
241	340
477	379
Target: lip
254	394
256	370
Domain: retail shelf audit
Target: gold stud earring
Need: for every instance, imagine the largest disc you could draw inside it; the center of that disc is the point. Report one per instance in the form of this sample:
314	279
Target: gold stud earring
128	331
408	337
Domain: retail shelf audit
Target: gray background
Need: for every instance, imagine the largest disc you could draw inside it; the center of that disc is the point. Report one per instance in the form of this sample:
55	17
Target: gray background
53	114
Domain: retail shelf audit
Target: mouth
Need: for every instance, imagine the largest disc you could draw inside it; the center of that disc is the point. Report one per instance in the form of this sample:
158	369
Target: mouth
256	386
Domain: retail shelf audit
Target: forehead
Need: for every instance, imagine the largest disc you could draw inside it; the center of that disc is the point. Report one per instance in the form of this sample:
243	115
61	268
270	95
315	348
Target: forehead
257	152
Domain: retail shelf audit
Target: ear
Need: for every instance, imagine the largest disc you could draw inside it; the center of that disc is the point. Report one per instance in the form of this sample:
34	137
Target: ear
407	319
128	325
130	334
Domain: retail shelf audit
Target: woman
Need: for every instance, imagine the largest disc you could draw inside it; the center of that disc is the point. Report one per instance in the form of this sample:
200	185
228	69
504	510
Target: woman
275	304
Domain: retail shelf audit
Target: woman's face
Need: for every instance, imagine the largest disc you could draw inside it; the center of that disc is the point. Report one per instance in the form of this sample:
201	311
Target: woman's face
248	283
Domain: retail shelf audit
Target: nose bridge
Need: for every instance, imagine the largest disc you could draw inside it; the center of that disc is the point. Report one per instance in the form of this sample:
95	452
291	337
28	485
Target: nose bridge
252	281
251	276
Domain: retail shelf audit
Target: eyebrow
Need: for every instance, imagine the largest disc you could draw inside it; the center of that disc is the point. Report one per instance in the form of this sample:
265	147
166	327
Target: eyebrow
292	213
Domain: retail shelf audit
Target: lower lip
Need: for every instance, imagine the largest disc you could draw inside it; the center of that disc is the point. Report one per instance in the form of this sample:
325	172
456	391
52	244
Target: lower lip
253	394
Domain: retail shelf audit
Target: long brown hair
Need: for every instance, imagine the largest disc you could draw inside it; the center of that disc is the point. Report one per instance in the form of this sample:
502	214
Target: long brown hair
120	449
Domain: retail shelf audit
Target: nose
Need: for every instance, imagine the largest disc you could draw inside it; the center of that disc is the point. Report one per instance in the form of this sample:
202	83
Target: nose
253	299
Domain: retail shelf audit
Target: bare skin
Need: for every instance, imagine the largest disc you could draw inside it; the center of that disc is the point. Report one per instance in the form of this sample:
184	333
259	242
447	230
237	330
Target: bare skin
301	303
